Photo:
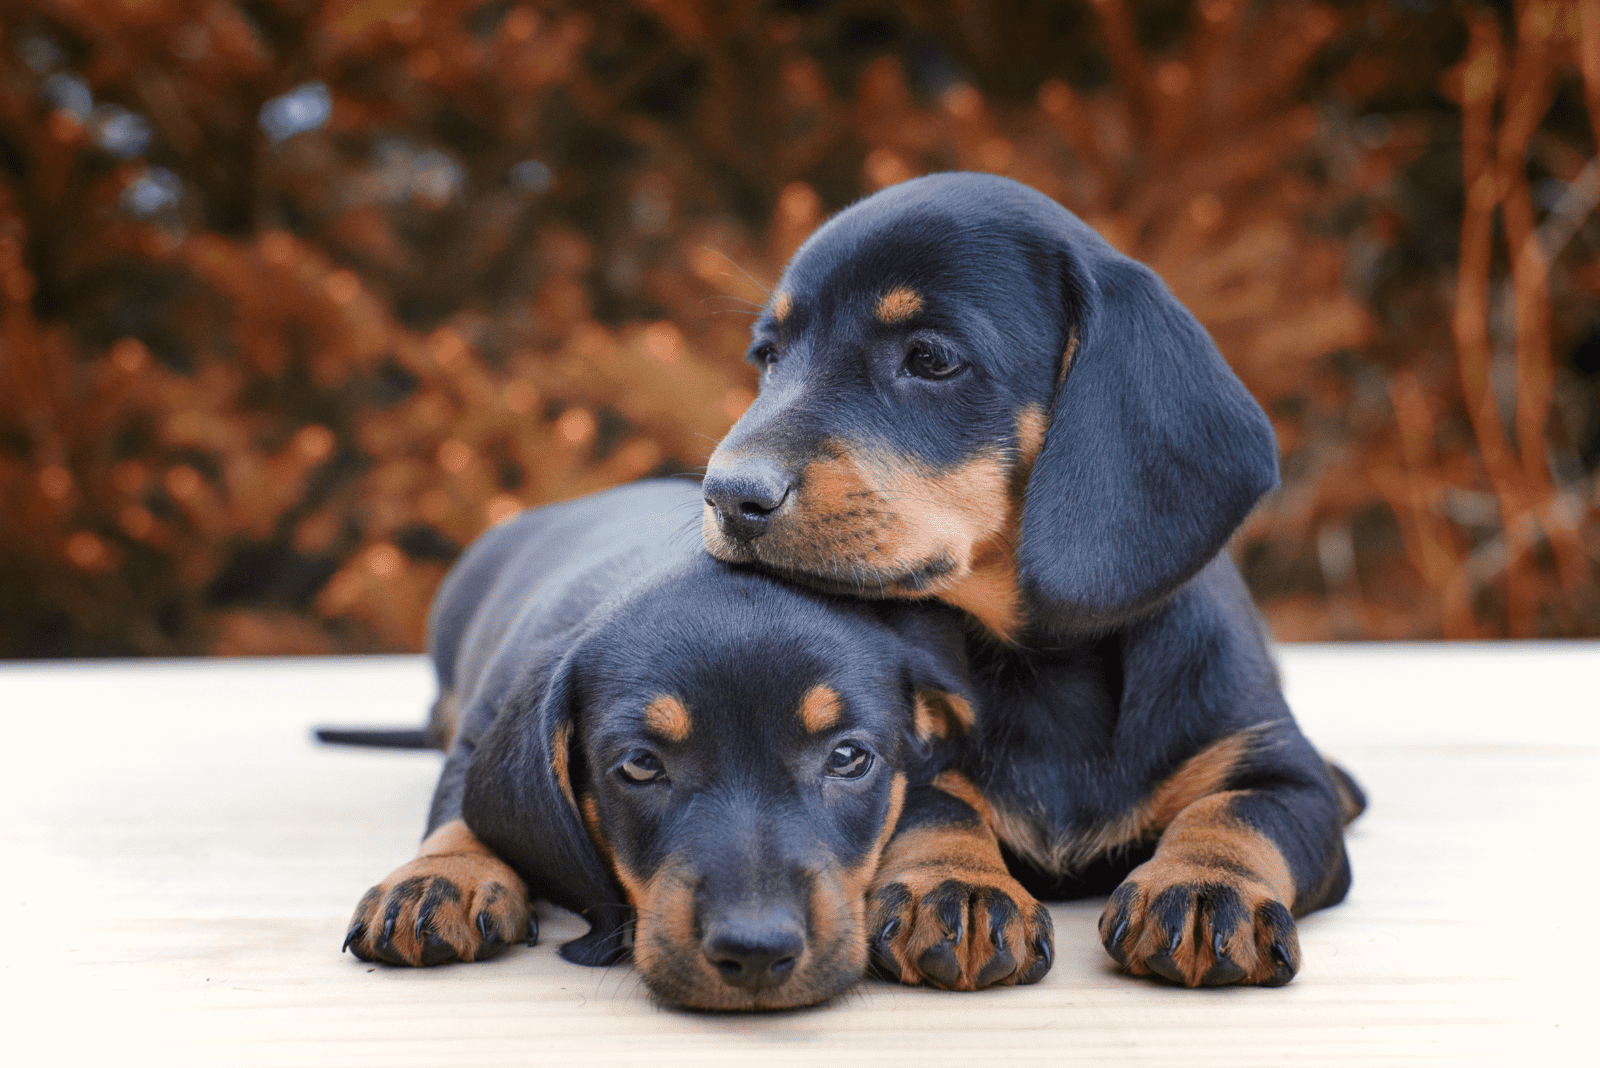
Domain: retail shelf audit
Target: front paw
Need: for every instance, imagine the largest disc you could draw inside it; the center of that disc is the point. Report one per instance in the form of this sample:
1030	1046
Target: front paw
960	935
1200	926
440	908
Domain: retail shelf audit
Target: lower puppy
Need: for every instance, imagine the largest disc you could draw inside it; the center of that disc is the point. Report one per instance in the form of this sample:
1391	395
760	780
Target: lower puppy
714	769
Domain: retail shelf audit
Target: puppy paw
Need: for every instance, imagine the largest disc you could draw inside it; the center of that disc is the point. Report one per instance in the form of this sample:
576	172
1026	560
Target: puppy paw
960	935
441	907
1200	926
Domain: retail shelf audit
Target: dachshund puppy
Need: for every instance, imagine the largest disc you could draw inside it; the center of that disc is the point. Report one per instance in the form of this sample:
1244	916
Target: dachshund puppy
708	765
967	395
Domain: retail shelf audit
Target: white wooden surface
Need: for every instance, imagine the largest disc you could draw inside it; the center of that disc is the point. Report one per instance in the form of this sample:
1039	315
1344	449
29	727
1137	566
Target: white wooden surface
181	860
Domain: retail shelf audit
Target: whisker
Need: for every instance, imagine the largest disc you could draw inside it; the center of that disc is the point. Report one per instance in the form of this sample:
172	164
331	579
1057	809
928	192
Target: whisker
741	270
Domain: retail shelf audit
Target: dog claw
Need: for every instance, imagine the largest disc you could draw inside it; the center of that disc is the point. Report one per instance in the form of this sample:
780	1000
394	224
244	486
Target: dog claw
1164	966
882	961
940	964
1043	956
1000	965
955	923
436	950
1283	969
1223	972
1114	945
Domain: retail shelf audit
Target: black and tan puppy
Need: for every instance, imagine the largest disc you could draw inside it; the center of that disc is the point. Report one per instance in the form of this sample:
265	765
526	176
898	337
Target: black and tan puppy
712	767
966	394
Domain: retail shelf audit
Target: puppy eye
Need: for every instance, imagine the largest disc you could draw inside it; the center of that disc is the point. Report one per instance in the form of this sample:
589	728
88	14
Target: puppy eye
764	355
642	767
848	761
924	361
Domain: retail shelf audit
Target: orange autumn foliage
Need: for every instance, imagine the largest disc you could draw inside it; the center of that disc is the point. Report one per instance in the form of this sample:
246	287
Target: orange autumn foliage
296	299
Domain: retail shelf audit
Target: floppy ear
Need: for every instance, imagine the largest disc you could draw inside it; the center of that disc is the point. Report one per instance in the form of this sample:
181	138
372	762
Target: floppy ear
519	799
1154	455
933	655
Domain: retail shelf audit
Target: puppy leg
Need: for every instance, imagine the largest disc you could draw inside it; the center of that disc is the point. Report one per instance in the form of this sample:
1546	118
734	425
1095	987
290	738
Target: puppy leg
1216	902
455	901
943	909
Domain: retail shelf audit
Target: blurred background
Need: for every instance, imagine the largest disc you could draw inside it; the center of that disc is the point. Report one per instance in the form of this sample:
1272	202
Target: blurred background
297	297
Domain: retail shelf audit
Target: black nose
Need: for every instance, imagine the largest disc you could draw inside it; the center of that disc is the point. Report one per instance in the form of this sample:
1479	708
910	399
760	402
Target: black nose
755	950
745	495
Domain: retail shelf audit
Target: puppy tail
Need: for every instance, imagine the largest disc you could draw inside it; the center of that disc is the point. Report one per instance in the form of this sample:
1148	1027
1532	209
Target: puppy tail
378	737
443	721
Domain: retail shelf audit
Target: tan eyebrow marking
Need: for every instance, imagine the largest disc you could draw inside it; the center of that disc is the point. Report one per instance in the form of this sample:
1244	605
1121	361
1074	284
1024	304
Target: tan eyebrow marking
898	305
667	716
820	708
782	305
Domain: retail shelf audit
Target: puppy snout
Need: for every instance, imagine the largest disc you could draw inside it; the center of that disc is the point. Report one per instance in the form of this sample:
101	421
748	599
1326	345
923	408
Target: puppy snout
755	950
745	496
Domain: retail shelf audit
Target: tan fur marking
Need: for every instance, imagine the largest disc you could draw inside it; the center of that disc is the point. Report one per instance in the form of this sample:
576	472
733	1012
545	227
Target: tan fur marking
668	954
1204	831
591	823
962	788
842	892
820	708
898	305
872	519
559	758
991	592
876	524
452	837
925	858
860	875
1066	357
1031	426
782	305
483	884
930	855
928	723
1201	775
1206	846
936	713
668	717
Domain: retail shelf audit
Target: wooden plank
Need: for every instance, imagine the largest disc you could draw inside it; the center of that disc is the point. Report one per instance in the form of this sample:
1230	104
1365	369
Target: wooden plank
183	860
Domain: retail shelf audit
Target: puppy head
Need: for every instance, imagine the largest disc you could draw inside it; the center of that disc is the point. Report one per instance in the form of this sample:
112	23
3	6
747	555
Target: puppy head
967	394
736	754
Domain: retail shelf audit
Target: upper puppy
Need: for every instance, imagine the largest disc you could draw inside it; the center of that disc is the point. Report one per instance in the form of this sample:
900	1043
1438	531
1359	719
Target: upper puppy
636	730
968	394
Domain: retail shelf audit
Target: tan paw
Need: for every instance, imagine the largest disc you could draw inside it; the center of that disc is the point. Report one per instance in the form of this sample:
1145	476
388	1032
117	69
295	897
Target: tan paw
441	907
1200	925
960	934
